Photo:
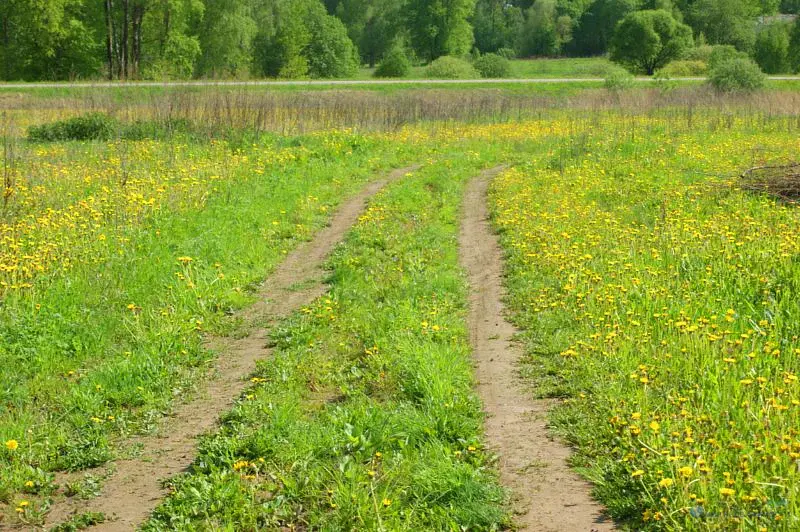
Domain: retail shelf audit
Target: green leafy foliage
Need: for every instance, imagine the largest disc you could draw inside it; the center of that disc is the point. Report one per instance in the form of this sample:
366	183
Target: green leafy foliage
493	66
794	47
647	40
447	67
100	126
395	64
496	26
725	21
46	40
618	79
539	35
93	126
701	52
439	27
226	38
508	53
305	41
596	25
684	69
771	50
330	52
221	39
723	53
372	25
737	75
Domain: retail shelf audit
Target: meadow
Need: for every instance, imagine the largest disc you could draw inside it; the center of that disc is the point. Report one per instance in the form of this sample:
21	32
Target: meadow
662	302
656	301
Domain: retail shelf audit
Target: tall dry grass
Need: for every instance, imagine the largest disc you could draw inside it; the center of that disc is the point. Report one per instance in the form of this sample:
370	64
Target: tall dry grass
293	112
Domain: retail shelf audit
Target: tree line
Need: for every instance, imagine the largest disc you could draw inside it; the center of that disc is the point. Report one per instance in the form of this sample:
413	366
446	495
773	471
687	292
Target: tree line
179	39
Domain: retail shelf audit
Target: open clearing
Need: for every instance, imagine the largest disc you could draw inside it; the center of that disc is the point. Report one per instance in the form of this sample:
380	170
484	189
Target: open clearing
199	300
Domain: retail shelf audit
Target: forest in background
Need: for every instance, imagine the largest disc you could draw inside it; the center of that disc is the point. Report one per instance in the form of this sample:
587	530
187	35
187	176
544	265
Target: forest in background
223	39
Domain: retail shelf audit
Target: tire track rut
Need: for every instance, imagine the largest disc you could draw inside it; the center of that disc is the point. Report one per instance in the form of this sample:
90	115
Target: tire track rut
546	494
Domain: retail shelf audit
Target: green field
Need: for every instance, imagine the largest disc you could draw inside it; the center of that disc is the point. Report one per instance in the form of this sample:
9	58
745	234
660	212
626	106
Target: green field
574	67
656	299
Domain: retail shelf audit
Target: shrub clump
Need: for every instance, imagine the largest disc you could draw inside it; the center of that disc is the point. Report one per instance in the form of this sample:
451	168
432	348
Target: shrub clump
447	67
93	126
738	75
723	53
772	49
493	66
684	69
395	64
699	53
618	79
508	53
99	126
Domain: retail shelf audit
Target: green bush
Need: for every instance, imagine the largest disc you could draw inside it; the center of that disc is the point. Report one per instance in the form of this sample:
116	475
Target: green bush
722	54
508	53
794	47
493	66
395	64
93	126
737	75
772	49
447	67
684	69
98	126
618	79
699	53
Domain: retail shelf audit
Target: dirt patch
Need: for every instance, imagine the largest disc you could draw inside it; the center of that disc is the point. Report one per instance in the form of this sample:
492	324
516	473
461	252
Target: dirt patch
135	489
547	494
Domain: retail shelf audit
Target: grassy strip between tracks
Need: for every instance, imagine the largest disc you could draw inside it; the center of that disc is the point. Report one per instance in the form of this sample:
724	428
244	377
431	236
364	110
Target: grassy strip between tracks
365	419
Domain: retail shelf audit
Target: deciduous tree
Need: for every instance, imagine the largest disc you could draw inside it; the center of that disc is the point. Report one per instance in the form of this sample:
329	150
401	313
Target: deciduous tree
439	27
645	41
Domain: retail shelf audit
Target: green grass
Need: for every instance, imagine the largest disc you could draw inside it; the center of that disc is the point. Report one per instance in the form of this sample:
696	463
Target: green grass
660	302
622	234
365	419
578	67
109	336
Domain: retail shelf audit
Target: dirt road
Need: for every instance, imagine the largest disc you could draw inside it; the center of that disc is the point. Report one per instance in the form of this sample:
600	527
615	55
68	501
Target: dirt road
547	494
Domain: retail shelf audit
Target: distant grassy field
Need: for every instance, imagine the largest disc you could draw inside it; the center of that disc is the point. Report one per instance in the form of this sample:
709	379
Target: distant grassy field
579	67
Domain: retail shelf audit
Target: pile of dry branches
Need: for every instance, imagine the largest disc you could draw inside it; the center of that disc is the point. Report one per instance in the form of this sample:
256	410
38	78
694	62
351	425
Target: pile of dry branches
782	181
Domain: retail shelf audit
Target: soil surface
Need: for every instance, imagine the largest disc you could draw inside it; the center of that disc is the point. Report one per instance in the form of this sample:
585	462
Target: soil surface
546	494
135	487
